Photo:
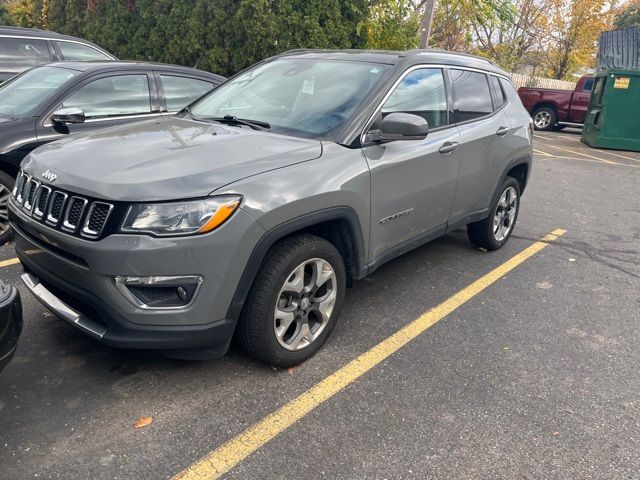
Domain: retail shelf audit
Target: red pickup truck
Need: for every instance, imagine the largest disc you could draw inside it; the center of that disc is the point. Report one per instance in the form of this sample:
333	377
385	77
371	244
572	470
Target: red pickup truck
556	109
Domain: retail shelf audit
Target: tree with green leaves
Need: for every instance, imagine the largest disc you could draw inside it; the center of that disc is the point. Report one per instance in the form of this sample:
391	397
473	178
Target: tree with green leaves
219	35
5	16
628	17
392	25
514	41
454	19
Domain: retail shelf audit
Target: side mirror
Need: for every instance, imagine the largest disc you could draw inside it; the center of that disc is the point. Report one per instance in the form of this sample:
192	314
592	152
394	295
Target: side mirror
403	126
65	116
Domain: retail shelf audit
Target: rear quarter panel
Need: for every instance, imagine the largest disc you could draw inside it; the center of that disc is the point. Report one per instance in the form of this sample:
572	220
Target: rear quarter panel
520	138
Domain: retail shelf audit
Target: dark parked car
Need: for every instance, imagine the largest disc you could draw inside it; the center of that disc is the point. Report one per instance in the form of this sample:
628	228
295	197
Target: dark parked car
24	48
10	322
555	109
52	101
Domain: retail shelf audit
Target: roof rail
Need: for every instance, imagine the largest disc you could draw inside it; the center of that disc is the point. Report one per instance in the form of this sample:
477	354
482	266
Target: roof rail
421	51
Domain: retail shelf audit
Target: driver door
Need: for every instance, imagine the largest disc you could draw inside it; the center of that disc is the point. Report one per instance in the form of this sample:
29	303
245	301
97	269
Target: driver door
413	182
107	100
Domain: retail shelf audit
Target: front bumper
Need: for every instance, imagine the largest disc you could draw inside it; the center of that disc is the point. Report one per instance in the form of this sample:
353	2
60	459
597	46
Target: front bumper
115	331
74	278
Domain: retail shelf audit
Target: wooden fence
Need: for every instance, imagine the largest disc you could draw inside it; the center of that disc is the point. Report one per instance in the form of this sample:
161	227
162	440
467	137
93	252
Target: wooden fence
520	80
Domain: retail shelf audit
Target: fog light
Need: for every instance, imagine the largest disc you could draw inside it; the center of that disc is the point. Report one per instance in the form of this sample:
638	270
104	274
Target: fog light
160	292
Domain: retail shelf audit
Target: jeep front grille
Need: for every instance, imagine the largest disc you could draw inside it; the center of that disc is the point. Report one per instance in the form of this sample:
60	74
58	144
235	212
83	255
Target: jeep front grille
72	214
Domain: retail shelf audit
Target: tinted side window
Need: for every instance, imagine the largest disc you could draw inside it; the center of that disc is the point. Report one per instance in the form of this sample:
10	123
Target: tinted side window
472	95
18	54
588	85
498	94
181	91
113	96
510	91
76	52
421	92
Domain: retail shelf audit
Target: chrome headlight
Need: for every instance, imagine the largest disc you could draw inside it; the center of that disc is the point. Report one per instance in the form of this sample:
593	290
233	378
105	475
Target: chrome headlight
180	218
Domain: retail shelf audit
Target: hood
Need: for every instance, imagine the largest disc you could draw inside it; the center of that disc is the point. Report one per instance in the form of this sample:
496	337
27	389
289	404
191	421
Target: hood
167	159
4	119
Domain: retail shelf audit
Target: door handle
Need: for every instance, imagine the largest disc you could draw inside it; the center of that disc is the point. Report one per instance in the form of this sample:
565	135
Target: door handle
448	147
502	131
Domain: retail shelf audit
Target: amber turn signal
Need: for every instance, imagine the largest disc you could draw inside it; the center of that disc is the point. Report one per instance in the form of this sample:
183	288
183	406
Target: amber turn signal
222	215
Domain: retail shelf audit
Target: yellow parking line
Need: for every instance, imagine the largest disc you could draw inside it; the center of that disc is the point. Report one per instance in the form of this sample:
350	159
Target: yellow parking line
579	153
564	157
225	457
609	152
542	153
11	261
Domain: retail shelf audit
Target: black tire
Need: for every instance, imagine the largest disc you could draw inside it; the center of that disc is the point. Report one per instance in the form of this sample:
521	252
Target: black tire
544	118
482	233
257	327
6	186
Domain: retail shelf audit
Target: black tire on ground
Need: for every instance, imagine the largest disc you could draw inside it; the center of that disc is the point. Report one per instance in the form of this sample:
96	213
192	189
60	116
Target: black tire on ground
6	186
544	118
257	329
482	233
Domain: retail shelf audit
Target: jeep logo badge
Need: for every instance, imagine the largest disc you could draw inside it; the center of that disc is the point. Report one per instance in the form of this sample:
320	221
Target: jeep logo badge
50	176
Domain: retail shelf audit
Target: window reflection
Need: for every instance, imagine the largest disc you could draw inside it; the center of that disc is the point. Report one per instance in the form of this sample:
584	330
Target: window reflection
421	93
472	95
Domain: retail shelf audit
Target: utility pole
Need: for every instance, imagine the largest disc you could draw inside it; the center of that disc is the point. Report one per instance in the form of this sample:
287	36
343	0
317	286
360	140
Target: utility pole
425	25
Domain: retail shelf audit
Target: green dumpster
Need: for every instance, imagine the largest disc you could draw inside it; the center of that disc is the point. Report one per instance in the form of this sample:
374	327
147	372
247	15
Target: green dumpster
613	117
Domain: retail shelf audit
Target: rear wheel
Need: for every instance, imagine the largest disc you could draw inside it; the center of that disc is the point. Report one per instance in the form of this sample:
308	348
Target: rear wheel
6	186
294	302
544	118
494	231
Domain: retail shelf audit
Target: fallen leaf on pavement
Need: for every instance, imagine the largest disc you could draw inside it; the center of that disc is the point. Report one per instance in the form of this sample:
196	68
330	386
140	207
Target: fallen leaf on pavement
290	370
143	422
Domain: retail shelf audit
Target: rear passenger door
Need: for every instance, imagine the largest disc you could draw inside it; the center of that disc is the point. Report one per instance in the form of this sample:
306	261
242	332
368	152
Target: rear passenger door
176	91
413	181
106	100
484	130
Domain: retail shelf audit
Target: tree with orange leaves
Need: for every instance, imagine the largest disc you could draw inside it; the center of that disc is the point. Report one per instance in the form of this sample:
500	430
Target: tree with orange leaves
573	31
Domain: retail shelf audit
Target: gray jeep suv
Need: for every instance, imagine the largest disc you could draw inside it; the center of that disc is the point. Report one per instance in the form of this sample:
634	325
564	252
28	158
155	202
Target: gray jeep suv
251	210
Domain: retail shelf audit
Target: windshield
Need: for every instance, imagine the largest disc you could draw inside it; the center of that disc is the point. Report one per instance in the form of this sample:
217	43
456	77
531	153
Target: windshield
303	97
25	92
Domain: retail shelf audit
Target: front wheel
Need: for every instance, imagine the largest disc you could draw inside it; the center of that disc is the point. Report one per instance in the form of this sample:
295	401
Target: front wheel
6	186
494	231
294	302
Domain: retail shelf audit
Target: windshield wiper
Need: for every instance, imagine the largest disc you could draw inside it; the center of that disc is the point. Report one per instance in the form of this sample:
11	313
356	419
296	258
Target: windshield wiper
231	120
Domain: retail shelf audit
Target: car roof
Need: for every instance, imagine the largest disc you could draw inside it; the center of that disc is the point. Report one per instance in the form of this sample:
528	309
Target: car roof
35	32
407	58
44	34
110	65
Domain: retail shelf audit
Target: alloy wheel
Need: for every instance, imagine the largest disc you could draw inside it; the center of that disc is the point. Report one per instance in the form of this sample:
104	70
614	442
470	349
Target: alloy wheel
305	304
542	119
505	215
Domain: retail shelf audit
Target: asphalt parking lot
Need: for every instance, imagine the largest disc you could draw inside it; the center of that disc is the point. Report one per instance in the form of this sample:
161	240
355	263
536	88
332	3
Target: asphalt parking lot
535	375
